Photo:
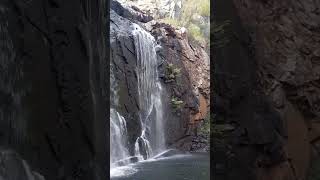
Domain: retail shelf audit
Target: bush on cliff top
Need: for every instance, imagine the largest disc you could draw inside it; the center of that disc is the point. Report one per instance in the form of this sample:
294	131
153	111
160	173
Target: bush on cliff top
196	31
204	8
196	34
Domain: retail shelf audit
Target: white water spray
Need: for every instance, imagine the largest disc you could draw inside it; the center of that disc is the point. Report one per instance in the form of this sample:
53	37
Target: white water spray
151	141
118	128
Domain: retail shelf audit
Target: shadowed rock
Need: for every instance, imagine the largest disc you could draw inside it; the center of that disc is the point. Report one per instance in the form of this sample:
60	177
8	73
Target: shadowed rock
12	167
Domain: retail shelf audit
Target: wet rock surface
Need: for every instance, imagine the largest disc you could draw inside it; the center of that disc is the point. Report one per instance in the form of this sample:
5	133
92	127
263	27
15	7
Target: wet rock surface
123	162
200	143
123	65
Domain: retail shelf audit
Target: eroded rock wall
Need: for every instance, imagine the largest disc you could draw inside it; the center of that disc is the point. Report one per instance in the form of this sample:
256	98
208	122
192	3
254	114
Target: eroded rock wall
192	85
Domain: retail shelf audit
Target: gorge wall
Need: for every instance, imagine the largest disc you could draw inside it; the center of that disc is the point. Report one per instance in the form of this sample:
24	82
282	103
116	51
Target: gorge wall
53	88
275	60
189	85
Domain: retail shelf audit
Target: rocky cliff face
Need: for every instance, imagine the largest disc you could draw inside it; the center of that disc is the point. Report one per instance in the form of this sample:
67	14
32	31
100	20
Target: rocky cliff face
53	86
190	85
123	65
157	9
282	39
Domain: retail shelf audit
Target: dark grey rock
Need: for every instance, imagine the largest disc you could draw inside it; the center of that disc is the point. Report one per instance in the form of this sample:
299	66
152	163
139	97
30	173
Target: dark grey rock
123	63
53	86
131	13
12	167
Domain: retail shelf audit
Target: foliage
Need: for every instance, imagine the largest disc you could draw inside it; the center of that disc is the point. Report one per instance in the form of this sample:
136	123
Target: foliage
173	22
195	33
194	7
172	72
198	33
205	127
176	103
204	7
196	30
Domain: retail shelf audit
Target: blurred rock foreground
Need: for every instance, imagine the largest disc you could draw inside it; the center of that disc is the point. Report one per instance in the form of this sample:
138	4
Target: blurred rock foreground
267	87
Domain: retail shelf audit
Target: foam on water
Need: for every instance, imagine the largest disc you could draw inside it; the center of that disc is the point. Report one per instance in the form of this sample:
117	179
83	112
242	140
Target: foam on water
122	171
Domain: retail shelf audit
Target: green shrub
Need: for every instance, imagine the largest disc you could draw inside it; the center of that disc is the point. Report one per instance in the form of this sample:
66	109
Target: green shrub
204	8
172	72
176	103
173	22
195	31
195	34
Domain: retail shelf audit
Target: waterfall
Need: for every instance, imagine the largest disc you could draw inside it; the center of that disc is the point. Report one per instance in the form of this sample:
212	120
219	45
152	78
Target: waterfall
118	134
151	140
118	127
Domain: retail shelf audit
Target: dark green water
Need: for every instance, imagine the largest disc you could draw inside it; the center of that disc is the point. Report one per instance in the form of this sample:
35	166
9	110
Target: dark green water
178	167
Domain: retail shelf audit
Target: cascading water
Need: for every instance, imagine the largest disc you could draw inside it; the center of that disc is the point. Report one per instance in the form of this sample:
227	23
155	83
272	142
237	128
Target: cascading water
118	128
118	132
152	140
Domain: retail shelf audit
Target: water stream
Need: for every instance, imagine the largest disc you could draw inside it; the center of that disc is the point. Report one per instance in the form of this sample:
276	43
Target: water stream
118	126
152	139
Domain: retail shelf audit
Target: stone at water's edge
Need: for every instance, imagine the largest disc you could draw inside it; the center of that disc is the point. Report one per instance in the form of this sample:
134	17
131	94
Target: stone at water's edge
126	161
168	153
